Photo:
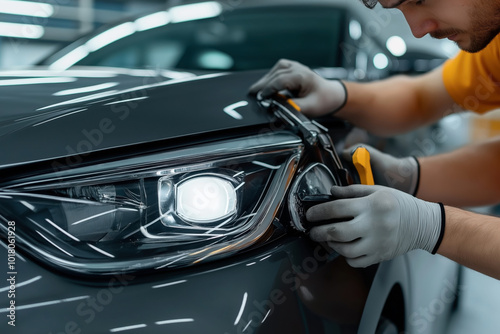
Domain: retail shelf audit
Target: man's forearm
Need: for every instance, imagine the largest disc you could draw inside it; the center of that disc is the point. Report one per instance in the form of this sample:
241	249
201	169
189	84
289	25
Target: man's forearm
466	177
377	108
397	104
473	240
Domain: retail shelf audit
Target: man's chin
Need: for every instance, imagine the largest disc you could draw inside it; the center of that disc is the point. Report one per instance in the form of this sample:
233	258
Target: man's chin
473	46
472	49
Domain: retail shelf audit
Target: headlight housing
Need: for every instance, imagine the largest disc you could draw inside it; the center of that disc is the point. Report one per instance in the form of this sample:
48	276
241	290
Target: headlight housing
159	211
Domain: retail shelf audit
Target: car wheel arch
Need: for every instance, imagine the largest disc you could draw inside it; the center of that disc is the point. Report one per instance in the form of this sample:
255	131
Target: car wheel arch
388	297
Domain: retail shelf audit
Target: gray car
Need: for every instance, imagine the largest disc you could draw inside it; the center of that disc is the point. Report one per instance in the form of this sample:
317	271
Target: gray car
154	204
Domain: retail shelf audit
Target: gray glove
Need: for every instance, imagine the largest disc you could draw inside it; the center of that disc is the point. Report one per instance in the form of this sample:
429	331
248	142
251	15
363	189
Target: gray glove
379	224
399	173
315	95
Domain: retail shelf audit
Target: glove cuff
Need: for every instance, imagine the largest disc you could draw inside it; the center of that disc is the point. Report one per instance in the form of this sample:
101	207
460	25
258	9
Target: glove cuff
441	232
415	182
341	95
430	224
422	225
404	175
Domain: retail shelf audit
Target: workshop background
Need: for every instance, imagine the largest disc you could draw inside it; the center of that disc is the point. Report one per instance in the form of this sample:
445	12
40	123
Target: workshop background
29	31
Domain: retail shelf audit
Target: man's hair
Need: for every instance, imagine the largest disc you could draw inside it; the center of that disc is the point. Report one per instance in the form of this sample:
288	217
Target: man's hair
370	3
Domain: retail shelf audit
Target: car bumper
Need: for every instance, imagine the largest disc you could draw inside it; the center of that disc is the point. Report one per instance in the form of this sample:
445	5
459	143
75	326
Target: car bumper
291	286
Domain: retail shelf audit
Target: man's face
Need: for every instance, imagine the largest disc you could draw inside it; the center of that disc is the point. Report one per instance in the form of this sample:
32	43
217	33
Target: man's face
472	24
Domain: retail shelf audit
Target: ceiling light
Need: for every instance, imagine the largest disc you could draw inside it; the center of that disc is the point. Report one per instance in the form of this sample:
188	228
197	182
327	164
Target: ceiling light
195	11
17	30
152	21
380	61
110	36
26	8
396	45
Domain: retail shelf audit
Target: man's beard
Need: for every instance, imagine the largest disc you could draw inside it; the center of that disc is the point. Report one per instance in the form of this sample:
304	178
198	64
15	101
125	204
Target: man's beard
480	41
485	25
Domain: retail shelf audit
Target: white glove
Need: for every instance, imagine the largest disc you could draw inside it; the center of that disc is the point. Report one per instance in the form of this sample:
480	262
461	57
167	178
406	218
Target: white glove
399	173
316	96
379	223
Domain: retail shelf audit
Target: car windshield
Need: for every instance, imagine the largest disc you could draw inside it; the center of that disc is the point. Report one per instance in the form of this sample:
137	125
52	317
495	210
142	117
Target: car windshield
241	39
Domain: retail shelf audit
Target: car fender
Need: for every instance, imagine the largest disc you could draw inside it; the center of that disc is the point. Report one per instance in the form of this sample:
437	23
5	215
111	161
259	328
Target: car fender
389	274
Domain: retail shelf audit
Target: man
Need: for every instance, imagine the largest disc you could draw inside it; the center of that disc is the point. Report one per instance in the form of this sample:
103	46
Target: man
383	222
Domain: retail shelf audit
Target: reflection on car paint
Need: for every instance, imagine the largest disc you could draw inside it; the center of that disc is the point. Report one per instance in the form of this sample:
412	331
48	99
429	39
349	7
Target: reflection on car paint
230	109
18	285
47	303
87	89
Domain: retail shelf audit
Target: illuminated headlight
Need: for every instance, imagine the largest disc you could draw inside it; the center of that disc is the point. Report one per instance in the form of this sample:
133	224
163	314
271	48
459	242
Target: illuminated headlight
200	199
166	210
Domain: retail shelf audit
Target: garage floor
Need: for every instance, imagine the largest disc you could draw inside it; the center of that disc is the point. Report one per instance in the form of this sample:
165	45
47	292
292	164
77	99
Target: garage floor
479	305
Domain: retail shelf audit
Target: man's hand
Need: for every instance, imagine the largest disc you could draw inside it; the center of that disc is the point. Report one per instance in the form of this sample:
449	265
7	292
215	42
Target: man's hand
399	173
380	224
315	95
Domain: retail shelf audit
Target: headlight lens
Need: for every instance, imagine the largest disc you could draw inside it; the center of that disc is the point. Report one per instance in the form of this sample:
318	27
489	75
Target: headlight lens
157	213
316	179
201	199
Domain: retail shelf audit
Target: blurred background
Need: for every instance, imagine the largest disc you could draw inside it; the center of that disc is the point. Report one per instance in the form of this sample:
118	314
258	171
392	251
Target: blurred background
31	30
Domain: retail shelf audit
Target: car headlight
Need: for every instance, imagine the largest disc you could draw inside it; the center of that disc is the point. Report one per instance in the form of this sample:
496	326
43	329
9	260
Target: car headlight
158	211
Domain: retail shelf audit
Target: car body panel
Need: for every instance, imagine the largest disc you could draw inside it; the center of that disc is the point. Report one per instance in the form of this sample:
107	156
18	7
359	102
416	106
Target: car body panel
124	116
256	290
429	286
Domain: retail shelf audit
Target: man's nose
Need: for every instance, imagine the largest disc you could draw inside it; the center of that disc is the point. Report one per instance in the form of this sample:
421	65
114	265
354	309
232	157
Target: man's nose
420	23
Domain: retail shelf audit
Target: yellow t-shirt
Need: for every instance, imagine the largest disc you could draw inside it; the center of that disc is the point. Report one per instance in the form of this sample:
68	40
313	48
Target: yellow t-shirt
473	79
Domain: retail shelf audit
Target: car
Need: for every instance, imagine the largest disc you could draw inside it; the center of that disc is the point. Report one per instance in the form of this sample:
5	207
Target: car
331	36
138	201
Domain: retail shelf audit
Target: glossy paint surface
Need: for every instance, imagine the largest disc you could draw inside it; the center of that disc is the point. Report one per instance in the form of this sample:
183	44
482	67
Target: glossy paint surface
38	122
277	289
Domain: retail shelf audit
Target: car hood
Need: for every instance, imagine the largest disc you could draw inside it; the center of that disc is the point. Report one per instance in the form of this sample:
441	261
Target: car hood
48	115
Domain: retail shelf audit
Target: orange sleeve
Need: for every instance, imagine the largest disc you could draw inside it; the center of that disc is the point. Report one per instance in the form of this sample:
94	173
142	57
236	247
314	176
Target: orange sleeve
473	79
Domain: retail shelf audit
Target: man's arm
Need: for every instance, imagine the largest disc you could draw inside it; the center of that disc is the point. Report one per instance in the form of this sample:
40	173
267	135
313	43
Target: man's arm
384	107
397	104
473	240
468	176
